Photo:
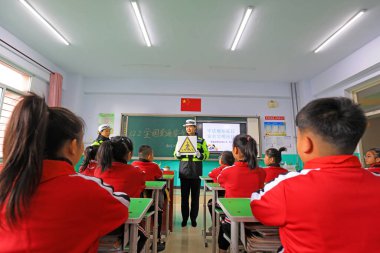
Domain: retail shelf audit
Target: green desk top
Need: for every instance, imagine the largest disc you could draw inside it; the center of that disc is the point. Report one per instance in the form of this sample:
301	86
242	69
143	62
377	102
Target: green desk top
168	177
237	209
137	209
154	185
206	178
214	186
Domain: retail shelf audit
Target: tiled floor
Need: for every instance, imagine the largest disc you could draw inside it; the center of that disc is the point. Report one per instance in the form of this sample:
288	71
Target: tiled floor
188	239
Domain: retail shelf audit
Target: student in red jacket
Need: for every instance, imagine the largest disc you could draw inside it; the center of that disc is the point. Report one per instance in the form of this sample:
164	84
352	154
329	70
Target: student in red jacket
89	163
145	163
45	206
152	172
113	169
226	159
241	179
332	204
372	158
273	159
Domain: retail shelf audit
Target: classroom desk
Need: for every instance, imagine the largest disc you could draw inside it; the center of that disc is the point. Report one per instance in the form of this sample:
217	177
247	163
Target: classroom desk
157	186
214	187
237	210
137	209
169	206
204	231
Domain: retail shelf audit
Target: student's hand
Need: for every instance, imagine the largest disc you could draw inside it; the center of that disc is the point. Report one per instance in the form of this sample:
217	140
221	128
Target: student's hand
198	154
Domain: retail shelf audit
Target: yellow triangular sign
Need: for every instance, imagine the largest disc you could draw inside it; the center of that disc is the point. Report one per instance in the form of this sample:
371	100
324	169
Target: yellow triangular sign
187	147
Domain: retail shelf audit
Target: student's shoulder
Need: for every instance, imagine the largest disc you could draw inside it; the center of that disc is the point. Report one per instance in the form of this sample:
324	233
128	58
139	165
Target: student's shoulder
228	169
87	183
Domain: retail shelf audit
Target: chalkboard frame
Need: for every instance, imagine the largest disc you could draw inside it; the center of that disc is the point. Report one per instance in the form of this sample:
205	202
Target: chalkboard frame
124	126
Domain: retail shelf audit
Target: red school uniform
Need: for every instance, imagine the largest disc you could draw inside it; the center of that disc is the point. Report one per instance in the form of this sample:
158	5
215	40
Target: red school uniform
69	212
330	206
124	178
273	172
375	168
151	169
215	173
90	170
239	181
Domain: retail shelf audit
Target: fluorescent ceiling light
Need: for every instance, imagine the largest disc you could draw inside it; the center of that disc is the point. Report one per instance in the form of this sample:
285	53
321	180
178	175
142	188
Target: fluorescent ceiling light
242	27
349	23
141	23
44	21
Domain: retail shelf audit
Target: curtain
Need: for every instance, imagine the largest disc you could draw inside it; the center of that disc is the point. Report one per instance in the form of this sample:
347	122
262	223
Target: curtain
55	89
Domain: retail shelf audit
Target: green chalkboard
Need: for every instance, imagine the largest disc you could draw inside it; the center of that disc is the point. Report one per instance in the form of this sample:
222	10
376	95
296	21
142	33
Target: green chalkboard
158	132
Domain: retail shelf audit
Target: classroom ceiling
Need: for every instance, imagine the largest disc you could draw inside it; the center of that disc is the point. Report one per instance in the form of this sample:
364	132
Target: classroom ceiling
191	38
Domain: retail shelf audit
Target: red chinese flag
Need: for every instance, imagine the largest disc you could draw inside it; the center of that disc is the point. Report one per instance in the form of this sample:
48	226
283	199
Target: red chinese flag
191	104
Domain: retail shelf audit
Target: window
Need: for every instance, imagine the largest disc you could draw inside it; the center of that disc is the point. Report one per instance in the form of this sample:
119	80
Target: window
12	84
10	99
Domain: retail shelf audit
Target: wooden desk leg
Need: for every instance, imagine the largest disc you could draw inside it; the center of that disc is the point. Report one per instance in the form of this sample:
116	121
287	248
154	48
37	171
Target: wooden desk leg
204	213
234	248
155	226
133	239
213	222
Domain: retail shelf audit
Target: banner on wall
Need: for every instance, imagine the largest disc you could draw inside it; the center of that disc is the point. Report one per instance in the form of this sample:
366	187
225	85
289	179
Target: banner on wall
275	126
106	118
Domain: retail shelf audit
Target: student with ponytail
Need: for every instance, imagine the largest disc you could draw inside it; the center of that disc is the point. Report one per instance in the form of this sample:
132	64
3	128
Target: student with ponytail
241	179
113	169
273	159
44	205
89	163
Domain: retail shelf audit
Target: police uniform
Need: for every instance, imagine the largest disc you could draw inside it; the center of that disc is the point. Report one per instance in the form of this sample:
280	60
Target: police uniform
190	168
330	206
100	139
69	212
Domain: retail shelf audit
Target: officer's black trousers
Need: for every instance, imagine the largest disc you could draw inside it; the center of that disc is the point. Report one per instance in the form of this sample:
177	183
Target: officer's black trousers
187	186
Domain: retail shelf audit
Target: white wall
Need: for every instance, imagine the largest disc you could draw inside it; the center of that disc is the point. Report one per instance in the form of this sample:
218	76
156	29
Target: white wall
347	74
40	76
163	97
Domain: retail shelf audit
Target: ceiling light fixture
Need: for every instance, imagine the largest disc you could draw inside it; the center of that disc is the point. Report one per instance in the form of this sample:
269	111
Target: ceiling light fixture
349	23
45	22
243	23
141	23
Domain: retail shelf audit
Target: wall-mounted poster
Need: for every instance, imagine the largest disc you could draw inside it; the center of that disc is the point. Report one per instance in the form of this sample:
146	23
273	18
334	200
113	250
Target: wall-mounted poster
275	126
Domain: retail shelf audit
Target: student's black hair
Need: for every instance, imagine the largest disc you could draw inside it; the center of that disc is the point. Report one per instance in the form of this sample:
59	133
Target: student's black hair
338	120
376	151
33	133
227	158
116	149
89	154
275	154
145	151
248	147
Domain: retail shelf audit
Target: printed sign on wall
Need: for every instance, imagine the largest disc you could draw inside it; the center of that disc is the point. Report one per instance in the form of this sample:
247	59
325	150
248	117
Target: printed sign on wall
275	126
